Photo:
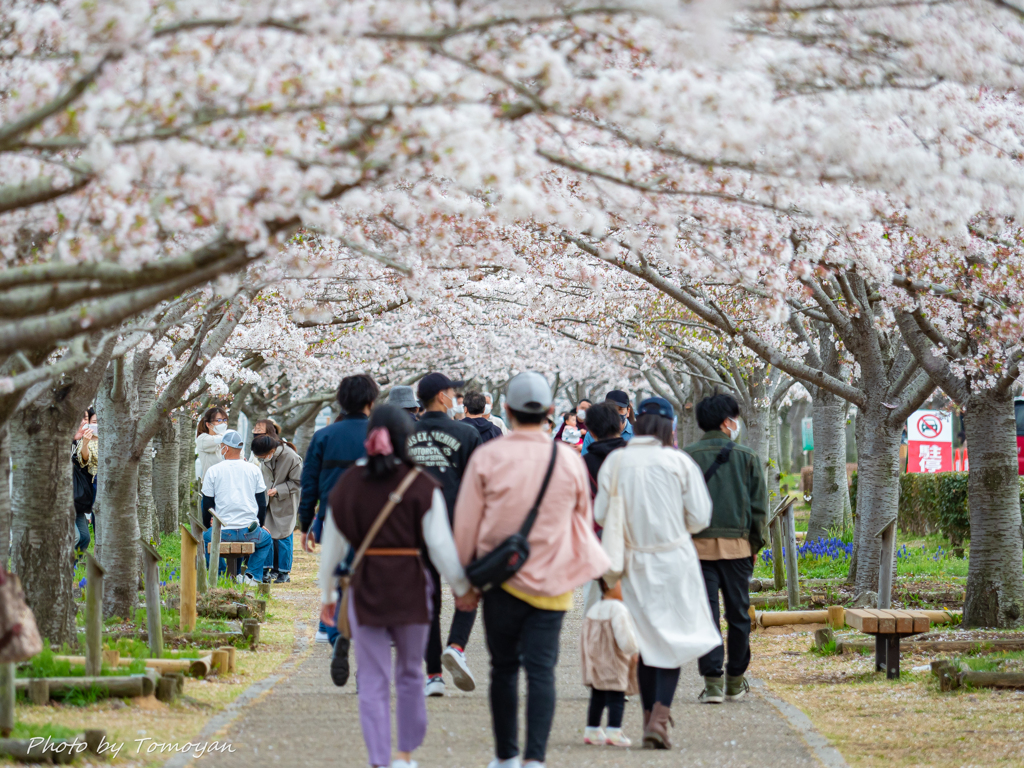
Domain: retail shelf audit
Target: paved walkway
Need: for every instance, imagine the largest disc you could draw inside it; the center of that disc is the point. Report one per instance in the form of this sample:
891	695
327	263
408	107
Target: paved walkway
304	720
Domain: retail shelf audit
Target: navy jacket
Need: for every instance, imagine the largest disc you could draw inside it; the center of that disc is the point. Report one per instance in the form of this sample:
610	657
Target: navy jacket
333	449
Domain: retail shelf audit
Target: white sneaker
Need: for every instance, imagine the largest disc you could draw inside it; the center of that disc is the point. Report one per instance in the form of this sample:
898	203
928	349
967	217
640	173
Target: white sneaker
404	764
594	736
435	686
454	661
614	737
320	636
246	580
512	762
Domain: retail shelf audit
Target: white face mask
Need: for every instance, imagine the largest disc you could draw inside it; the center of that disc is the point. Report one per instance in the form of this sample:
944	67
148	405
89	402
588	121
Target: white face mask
92	428
581	415
487	409
459	408
734	432
220	429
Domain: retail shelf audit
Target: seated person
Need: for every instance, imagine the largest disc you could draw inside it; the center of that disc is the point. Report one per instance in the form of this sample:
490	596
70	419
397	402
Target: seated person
235	490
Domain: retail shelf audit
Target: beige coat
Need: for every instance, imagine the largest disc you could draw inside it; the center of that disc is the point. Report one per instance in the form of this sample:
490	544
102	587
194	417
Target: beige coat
607	647
283	471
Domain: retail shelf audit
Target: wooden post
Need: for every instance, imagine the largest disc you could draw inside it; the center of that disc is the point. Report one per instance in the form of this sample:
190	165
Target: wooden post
189	548
836	616
792	573
166	689
888	537
94	573
39	691
214	567
154	625
7	697
251	630
198	529
221	661
778	566
94	738
230	651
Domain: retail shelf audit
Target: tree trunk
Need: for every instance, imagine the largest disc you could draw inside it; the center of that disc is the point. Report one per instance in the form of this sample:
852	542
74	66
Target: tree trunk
186	464
166	460
774	474
757	422
878	485
5	497
304	435
995	578
43	521
119	495
785	443
146	508
829	491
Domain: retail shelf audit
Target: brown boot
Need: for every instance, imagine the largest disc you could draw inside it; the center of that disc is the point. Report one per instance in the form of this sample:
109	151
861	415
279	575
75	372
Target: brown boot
656	730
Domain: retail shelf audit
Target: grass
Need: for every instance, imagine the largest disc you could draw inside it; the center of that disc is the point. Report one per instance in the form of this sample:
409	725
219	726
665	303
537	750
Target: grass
130	647
42	730
45	664
1005	661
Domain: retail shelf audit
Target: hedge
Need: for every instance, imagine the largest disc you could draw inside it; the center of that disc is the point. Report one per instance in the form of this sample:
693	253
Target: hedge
933	503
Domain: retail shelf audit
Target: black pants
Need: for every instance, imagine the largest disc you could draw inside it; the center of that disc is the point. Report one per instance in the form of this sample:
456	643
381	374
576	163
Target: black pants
614	700
519	635
732	577
657	685
462	626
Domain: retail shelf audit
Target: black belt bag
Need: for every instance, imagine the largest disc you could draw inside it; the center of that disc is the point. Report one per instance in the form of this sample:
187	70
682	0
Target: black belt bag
501	563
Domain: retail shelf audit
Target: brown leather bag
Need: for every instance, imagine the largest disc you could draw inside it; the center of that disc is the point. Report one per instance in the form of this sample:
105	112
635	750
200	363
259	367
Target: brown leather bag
344	582
19	636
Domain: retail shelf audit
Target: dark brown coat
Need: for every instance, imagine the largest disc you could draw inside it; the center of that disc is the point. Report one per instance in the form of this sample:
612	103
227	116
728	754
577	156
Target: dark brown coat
386	590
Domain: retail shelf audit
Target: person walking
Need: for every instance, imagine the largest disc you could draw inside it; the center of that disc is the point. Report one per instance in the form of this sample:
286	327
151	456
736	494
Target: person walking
620	401
663	502
523	617
728	547
333	450
234	488
442	446
606	427
476	406
607	647
84	466
390	598
282	474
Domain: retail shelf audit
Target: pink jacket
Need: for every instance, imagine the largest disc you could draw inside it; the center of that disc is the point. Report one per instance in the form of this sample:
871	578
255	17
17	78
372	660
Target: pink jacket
499	487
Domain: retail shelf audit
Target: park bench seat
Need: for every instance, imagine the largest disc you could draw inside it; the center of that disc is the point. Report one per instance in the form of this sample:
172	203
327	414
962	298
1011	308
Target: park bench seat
888	626
232	552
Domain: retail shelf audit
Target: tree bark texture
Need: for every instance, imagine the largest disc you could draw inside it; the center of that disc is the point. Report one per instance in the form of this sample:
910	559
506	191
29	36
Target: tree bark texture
774	473
995	577
146	384
43	524
186	463
166	461
829	493
5	497
304	436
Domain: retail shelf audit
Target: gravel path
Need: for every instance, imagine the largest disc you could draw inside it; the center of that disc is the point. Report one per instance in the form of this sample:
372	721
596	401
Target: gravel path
303	720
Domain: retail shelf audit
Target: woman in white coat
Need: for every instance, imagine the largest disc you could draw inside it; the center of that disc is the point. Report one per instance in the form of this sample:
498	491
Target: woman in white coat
663	501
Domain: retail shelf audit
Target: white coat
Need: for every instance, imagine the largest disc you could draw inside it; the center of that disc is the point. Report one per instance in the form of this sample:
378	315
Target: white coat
665	500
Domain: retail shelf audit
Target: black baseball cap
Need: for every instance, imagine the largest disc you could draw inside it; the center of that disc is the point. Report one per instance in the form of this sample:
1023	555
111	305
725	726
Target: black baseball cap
618	397
433	383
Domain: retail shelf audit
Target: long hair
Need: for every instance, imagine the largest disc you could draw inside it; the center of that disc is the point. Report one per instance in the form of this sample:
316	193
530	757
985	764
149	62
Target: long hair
399	425
656	426
201	429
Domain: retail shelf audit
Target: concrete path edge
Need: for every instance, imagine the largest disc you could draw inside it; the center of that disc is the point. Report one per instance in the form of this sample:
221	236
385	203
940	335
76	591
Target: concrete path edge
822	748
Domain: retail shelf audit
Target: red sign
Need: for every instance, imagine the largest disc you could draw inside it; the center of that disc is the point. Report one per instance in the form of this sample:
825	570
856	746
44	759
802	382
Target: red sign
930	441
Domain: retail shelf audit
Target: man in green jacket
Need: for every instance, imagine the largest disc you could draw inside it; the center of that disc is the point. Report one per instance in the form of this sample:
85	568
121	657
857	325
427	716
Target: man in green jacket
727	548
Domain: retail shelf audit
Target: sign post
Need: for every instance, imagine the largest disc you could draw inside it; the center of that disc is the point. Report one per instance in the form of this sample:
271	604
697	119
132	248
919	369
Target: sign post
807	433
930	442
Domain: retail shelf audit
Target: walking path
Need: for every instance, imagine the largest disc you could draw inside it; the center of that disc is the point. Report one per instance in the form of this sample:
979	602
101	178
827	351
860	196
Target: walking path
304	720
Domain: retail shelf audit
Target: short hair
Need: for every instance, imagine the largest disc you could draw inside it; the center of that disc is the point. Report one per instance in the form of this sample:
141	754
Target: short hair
264	444
528	418
713	410
603	421
581	402
474	402
357	392
656	426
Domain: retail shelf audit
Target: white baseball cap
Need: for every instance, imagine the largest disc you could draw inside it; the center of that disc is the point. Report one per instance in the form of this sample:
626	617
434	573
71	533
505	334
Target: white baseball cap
528	392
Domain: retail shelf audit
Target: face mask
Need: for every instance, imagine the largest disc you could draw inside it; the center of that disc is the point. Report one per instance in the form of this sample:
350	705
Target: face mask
734	432
459	409
581	415
487	409
92	428
220	429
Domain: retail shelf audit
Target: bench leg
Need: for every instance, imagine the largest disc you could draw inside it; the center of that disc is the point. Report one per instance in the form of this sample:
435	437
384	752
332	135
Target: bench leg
880	654
892	657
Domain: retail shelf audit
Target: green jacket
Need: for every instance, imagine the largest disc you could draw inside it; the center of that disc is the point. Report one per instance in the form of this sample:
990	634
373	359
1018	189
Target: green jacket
739	493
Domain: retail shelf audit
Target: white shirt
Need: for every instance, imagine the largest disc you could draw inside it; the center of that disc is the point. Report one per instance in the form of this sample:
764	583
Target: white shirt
437	535
233	485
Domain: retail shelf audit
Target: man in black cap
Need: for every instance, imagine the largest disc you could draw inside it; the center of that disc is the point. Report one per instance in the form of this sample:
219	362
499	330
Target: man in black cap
443	446
620	400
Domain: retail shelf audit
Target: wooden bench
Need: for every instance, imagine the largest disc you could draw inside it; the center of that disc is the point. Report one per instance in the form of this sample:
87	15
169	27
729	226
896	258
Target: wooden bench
232	552
888	626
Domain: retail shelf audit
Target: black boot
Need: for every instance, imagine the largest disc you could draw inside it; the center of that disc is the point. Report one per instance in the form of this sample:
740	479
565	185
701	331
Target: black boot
339	661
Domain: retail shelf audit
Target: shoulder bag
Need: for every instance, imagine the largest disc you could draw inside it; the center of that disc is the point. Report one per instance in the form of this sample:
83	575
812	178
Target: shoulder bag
345	579
501	563
720	459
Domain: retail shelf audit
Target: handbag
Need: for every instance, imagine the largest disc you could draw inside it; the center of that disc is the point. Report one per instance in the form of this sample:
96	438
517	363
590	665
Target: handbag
345	579
504	561
613	534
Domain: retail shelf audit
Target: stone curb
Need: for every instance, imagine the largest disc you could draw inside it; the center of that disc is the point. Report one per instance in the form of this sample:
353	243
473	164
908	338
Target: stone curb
821	747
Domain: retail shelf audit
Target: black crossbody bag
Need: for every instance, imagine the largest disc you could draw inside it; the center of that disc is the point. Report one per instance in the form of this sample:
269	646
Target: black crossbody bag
501	563
720	459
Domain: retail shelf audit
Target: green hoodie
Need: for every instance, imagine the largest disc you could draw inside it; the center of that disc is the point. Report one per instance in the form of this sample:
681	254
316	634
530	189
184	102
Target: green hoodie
739	493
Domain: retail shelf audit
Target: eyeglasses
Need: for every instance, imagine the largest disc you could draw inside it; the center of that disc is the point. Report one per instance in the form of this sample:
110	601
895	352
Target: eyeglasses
219	421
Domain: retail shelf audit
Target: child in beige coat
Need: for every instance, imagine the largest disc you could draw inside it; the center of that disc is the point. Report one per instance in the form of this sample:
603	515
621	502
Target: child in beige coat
608	647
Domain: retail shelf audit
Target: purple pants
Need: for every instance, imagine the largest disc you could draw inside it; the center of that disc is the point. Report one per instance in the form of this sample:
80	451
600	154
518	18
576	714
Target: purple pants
373	675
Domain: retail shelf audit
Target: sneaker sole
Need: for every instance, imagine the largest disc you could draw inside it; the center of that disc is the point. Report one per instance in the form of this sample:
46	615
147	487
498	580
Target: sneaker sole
735	696
460	676
435	694
713	700
339	662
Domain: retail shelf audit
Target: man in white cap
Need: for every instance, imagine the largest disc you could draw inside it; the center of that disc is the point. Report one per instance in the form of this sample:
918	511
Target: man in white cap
234	490
523	616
